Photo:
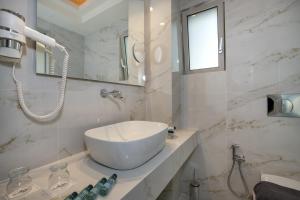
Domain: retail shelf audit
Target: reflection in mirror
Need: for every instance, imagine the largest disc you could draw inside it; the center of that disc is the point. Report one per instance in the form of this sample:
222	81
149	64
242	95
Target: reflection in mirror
43	58
124	53
105	39
138	52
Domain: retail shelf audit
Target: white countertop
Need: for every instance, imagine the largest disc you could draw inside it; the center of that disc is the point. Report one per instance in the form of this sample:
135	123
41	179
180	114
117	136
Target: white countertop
144	182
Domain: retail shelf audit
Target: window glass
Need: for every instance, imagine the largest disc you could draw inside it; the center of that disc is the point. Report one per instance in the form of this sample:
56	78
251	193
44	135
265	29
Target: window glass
203	39
126	50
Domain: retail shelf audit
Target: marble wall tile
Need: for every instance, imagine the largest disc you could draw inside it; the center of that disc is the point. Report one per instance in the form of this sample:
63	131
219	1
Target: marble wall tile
136	36
176	99
176	69
102	59
22	139
208	92
73	42
24	142
229	107
158	73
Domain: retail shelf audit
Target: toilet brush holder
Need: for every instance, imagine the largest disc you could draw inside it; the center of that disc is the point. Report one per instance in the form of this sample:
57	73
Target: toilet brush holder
194	188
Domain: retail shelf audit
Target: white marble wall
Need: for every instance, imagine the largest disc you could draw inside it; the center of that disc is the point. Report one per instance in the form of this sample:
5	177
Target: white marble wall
136	37
176	65
158	71
24	142
102	52
262	57
74	43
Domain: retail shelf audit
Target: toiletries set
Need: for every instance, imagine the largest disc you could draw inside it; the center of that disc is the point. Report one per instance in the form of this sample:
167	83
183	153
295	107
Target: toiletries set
101	188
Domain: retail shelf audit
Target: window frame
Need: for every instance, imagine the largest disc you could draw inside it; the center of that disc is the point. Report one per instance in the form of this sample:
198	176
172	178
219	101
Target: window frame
219	4
123	47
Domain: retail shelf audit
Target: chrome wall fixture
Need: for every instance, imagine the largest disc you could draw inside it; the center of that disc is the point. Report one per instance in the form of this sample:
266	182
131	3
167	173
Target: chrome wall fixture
239	158
115	93
283	105
138	53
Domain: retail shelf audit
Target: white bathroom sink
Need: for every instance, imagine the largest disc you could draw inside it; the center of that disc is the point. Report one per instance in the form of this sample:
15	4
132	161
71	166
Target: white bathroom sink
126	145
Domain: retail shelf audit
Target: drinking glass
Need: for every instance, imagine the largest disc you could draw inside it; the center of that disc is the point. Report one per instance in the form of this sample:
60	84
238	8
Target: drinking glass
59	177
20	183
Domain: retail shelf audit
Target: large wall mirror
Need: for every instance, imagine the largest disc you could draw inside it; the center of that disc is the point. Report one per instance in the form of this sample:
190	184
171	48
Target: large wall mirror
105	39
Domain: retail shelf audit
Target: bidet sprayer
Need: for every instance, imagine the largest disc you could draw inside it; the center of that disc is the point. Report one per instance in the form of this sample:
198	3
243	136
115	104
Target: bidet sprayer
238	157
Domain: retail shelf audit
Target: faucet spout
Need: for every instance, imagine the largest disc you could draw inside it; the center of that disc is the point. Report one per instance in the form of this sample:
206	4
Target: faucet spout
115	93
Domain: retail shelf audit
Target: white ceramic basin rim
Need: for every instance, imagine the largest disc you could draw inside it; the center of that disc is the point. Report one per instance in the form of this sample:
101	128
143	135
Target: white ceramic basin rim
126	131
126	145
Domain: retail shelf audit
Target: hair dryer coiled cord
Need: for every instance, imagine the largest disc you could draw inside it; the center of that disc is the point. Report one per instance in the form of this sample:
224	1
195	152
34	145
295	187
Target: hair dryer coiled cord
59	107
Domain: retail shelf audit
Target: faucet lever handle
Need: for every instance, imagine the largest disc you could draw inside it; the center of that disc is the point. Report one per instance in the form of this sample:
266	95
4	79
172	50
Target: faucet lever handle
115	93
171	131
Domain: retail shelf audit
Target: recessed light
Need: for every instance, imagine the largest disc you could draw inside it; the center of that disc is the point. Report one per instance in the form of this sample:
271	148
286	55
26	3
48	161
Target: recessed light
162	23
78	2
151	9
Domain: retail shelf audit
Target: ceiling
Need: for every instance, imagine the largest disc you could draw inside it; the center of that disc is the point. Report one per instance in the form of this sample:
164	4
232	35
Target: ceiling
83	19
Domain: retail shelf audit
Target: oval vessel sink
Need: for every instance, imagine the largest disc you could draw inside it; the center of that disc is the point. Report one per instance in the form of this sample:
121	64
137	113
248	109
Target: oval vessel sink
126	145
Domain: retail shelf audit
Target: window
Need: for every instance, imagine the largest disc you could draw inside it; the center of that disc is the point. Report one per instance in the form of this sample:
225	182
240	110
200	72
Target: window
203	37
125	47
124	57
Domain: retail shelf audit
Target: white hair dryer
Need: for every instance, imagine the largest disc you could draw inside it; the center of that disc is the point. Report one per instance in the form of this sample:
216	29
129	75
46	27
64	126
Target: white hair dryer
13	33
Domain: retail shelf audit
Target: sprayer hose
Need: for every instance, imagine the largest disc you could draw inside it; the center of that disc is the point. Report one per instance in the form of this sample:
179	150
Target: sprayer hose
62	91
247	195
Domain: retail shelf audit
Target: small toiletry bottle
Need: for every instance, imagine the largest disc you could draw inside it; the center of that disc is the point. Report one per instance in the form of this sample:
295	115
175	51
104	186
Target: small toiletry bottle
92	195
108	185
82	195
71	196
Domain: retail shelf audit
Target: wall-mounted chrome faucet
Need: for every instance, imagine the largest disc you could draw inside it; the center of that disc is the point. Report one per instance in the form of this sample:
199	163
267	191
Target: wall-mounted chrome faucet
115	93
